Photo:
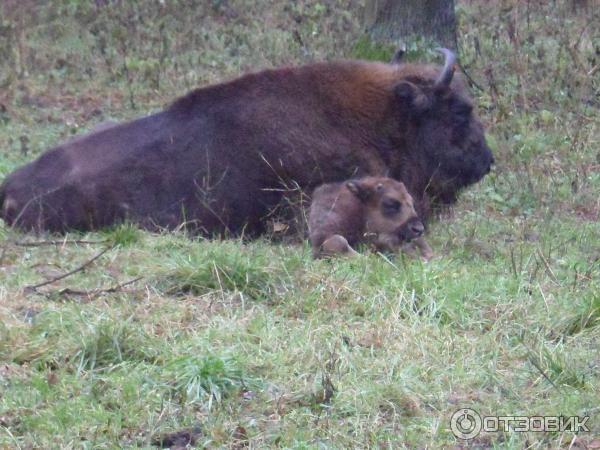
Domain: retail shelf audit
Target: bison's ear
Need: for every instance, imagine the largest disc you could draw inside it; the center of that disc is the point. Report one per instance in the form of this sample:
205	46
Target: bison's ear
361	190
411	98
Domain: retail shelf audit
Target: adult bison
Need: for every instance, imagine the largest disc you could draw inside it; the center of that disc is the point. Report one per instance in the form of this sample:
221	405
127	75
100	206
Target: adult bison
217	159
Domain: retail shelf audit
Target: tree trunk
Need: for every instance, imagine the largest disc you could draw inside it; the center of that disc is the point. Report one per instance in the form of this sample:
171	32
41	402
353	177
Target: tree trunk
404	20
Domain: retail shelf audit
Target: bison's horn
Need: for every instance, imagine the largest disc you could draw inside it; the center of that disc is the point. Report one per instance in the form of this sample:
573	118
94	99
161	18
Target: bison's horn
448	71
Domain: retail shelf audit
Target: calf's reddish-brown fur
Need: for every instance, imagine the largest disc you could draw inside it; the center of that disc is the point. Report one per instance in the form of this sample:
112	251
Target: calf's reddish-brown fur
219	158
377	210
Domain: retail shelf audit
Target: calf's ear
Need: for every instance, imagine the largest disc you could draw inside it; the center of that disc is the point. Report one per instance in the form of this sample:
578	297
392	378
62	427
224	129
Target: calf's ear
402	186
361	190
411	98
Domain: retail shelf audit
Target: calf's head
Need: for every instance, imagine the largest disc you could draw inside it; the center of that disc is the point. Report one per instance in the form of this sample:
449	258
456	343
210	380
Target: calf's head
389	213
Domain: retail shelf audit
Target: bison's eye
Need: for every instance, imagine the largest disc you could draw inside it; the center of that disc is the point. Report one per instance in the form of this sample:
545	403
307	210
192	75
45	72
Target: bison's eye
462	109
391	206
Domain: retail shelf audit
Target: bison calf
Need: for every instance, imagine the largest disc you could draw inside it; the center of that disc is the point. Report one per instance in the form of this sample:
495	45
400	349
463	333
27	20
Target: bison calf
374	209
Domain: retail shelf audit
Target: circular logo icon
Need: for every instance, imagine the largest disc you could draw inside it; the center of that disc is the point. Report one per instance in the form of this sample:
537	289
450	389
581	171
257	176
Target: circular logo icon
465	423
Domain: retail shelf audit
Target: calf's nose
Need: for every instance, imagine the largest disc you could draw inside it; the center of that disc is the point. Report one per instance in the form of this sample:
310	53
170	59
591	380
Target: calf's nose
417	228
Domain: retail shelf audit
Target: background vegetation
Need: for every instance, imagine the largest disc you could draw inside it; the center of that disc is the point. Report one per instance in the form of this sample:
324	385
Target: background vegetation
255	344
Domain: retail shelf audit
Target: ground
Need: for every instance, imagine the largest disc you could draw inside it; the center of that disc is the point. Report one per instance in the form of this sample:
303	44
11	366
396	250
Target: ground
234	344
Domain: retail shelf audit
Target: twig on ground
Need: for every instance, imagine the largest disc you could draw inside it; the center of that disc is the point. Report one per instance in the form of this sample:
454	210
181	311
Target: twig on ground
92	293
34	287
548	268
56	242
464	71
470	79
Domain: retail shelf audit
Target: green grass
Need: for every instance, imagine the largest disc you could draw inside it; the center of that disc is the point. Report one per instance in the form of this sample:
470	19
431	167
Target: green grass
255	342
208	378
223	266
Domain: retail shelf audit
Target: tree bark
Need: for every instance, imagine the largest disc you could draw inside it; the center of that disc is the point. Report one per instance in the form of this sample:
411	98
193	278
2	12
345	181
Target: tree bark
404	20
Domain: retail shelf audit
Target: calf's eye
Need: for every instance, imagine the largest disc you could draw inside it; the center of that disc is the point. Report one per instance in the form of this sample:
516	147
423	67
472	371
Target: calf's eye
391	206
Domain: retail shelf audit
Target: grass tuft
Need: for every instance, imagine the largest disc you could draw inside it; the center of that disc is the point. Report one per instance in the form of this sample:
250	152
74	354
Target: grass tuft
225	267
557	368
123	235
586	316
366	48
205	379
112	342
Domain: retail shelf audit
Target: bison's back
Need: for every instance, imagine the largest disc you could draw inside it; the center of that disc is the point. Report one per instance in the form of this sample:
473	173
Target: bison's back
212	170
93	180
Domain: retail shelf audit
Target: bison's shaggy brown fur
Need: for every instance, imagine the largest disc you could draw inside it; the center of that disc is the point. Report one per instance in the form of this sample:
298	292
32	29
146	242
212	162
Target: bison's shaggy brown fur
217	158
